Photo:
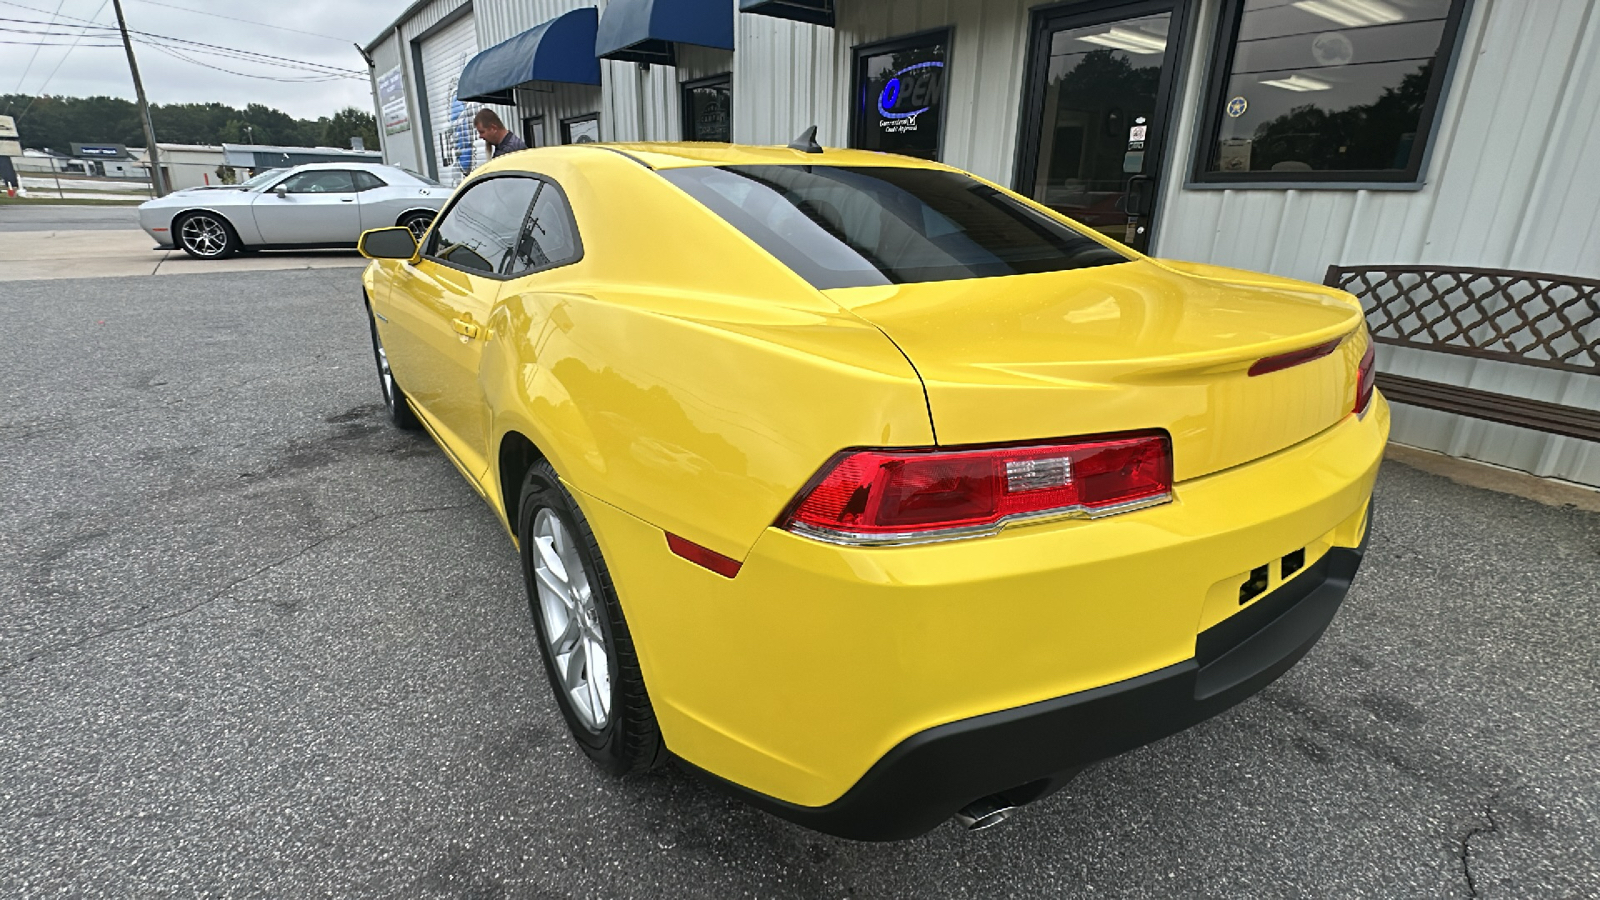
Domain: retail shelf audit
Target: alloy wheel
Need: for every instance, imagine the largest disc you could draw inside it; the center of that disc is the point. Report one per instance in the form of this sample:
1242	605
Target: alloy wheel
385	377
419	225
571	620
204	235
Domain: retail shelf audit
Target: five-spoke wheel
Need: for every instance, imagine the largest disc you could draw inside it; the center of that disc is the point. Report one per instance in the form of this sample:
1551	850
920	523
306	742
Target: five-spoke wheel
205	235
393	398
587	648
571	622
418	223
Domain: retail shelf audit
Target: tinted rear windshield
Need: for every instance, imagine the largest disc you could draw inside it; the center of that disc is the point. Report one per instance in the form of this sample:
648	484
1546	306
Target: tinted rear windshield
861	226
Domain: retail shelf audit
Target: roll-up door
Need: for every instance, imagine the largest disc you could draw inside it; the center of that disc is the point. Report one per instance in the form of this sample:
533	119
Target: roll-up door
455	147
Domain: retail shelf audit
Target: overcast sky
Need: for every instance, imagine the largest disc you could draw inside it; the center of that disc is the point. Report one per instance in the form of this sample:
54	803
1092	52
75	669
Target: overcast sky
325	32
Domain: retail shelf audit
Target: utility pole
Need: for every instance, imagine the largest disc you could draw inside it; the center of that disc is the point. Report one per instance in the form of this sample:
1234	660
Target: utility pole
156	179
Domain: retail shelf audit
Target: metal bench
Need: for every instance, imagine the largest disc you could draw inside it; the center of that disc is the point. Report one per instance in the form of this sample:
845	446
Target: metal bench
1523	318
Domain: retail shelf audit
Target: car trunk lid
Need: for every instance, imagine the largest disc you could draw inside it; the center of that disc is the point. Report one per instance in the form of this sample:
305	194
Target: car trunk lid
1125	347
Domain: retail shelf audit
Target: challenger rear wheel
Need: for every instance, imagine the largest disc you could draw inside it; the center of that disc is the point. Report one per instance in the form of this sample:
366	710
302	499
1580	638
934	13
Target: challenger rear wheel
587	649
417	222
205	235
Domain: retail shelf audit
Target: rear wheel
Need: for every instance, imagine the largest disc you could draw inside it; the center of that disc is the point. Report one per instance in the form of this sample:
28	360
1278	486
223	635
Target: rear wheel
584	639
400	412
205	235
418	223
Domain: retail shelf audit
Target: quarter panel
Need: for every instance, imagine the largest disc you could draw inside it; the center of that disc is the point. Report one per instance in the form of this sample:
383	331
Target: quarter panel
700	416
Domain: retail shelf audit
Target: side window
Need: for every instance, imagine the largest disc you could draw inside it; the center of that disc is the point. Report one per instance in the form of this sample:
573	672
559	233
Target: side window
321	181
549	237
479	232
366	181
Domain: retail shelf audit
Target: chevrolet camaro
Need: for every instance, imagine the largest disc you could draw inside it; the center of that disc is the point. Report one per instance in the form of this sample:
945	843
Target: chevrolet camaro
318	205
871	490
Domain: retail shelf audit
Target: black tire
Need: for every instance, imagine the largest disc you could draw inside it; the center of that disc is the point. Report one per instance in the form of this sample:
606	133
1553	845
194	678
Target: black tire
418	223
629	740
400	412
205	235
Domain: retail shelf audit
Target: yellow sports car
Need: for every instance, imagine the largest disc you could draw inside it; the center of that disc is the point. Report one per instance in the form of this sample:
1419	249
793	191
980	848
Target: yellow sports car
876	492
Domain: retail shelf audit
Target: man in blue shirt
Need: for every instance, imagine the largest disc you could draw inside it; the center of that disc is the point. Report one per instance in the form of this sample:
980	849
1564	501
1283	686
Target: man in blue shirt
495	134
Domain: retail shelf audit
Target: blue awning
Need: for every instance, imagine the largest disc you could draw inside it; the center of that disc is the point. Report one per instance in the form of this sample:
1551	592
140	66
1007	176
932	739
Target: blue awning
817	12
559	50
647	30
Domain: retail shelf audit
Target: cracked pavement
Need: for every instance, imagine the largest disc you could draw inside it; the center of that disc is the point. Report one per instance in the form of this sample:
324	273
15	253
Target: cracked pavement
254	642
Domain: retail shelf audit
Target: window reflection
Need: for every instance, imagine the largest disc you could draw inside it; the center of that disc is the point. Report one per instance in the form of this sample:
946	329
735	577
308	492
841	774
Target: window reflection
1328	85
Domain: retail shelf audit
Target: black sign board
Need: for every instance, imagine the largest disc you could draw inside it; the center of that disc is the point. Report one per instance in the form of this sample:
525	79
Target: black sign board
900	94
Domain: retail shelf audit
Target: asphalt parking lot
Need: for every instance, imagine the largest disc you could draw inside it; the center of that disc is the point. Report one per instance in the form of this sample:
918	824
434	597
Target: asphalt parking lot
253	642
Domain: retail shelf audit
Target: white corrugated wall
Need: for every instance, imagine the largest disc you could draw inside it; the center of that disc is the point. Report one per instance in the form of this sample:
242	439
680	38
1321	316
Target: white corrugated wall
1512	183
455	145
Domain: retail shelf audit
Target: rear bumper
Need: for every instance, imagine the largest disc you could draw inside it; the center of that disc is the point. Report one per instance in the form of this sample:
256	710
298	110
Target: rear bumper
1024	753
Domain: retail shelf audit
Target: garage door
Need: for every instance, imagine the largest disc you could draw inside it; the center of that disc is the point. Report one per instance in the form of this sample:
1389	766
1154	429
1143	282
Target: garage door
456	148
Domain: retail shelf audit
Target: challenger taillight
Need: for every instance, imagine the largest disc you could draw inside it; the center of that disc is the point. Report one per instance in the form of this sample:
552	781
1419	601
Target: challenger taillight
915	496
1366	378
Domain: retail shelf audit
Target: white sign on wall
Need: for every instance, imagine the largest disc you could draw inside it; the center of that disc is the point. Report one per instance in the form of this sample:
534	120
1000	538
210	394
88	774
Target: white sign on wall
392	99
10	148
8	127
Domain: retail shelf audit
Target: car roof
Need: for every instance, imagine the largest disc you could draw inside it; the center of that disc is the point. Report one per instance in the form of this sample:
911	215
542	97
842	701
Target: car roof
685	155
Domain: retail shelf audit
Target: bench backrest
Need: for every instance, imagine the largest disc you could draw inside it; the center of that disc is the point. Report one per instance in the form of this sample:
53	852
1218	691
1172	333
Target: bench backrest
1535	319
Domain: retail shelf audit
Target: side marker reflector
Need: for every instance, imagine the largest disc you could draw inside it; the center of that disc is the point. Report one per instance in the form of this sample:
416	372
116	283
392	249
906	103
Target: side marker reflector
726	566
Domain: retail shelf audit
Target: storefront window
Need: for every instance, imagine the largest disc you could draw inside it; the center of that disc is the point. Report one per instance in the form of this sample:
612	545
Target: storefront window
708	110
1326	90
899	93
581	129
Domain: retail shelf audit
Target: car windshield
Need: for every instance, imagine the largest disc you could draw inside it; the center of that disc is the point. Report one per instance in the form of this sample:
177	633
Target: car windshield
853	226
262	178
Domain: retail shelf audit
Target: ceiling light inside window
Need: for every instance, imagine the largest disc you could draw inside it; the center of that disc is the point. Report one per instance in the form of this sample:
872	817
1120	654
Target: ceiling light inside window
1299	83
1352	13
1131	41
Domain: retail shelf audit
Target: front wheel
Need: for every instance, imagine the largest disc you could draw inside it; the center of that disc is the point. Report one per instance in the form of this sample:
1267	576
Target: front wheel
205	235
400	412
587	648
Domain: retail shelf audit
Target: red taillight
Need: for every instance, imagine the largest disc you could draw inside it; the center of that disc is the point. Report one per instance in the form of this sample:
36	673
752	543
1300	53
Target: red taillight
1366	378
1294	358
907	496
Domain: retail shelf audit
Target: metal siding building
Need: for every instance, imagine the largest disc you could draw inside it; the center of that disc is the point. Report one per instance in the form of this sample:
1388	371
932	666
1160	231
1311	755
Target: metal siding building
1506	179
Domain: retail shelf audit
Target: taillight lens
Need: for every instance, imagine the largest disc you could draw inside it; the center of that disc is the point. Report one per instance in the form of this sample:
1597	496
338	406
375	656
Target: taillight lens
914	496
1366	378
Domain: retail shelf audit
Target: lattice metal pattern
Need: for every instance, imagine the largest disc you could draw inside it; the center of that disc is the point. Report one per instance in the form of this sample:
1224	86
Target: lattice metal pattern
1549	321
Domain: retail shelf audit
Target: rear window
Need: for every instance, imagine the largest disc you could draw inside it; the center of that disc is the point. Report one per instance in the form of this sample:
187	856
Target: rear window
842	227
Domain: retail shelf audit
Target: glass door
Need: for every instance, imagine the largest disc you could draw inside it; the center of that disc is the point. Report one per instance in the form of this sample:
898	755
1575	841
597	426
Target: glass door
1099	92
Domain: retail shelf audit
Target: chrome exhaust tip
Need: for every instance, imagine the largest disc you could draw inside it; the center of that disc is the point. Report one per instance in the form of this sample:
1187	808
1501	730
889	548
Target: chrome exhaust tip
985	813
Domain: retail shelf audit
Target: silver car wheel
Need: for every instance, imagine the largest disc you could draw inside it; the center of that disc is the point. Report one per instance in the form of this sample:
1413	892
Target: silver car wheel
576	645
204	235
385	376
418	225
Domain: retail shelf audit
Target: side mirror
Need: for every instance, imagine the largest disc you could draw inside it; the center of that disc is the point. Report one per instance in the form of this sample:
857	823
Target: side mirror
388	243
282	191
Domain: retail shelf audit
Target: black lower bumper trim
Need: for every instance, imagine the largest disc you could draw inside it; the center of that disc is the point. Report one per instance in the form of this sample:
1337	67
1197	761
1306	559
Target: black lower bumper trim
1026	752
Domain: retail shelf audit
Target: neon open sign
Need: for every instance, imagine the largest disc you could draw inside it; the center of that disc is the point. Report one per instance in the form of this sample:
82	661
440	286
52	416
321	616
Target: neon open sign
912	85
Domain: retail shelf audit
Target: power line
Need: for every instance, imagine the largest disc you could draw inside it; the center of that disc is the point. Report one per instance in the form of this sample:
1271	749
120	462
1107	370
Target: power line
29	67
192	46
246	21
52	75
312	79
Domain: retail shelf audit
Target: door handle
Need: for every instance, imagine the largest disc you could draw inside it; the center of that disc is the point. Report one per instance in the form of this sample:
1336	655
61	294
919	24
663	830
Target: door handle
465	327
347	199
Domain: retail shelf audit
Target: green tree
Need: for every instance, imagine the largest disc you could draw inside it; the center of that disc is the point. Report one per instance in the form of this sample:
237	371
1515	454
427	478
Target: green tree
348	123
57	122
